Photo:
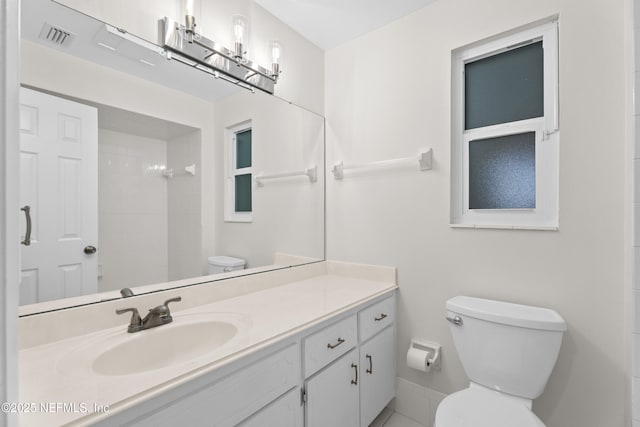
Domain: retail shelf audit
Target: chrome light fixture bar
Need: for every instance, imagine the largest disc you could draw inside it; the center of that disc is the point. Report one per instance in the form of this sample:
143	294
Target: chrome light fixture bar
188	47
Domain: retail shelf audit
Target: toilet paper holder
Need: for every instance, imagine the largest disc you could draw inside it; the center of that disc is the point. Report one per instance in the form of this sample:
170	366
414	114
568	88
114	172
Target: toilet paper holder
433	352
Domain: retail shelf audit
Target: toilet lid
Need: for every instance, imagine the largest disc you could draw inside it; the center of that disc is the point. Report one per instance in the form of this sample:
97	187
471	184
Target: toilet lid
475	407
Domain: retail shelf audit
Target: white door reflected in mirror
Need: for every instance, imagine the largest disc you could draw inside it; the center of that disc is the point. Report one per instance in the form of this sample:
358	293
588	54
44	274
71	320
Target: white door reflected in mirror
59	181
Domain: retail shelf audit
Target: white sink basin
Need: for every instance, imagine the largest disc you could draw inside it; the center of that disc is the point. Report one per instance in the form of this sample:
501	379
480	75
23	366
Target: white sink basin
188	340
163	346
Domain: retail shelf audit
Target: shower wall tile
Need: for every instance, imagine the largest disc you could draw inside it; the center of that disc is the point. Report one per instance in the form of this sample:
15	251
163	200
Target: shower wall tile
184	208
132	210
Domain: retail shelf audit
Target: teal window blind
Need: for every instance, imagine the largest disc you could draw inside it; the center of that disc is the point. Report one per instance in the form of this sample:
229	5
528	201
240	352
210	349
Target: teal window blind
505	87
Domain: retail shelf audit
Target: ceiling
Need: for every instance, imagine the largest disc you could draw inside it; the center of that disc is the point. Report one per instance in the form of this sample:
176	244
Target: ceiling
329	23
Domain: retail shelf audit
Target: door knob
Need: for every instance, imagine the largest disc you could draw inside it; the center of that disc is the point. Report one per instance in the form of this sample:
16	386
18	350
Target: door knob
89	250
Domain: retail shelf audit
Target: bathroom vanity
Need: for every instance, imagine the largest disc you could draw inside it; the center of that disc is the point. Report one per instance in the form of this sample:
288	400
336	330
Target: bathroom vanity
311	345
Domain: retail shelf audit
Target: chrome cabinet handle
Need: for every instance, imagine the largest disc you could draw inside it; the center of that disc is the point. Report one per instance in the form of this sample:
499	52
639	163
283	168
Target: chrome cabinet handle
370	370
27	235
382	316
355	368
455	320
340	341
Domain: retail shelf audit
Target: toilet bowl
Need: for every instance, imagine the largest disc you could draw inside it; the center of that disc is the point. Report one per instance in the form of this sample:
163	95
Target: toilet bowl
478	406
508	352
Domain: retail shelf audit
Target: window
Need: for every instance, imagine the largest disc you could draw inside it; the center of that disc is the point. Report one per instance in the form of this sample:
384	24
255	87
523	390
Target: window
239	179
504	164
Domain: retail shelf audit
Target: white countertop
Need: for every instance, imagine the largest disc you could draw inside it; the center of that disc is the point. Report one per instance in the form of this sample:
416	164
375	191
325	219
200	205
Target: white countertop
56	374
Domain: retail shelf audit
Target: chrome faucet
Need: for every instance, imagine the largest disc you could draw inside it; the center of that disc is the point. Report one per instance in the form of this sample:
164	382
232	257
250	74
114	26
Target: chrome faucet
160	315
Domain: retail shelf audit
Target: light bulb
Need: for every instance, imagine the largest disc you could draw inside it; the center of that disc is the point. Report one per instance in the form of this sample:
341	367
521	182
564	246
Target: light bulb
239	28
189	21
240	35
276	58
276	52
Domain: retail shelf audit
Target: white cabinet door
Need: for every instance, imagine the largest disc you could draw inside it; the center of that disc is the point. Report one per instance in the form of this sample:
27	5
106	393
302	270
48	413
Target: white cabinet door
377	379
332	394
59	181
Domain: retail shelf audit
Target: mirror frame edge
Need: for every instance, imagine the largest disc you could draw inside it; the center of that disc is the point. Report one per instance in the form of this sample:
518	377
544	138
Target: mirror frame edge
9	204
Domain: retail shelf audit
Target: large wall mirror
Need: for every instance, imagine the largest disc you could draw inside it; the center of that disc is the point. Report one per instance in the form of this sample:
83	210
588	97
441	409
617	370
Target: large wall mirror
144	173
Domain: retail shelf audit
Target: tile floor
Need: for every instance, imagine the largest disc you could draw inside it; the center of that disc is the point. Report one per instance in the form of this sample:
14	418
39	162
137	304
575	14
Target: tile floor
398	420
388	418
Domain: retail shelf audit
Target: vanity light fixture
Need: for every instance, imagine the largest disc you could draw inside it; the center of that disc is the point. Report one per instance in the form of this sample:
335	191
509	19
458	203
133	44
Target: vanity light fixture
182	43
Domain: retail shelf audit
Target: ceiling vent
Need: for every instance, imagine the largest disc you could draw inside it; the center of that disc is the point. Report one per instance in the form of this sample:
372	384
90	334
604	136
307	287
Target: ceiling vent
56	35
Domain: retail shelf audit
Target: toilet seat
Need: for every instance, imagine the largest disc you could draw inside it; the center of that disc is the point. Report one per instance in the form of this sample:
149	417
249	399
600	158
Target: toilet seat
480	407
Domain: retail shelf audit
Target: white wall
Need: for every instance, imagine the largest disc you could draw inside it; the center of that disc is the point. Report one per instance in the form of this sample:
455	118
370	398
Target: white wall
288	213
184	208
388	95
132	211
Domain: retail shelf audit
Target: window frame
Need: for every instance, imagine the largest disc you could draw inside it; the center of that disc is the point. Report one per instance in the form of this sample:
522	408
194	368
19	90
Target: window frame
545	215
231	215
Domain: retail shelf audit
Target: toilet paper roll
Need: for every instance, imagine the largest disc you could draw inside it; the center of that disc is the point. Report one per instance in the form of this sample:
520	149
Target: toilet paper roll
417	359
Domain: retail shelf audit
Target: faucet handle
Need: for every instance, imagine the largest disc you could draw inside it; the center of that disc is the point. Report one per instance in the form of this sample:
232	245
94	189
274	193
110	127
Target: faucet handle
136	321
166	303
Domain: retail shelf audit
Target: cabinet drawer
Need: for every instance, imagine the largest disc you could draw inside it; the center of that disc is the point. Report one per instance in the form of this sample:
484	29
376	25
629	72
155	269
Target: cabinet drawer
377	317
328	344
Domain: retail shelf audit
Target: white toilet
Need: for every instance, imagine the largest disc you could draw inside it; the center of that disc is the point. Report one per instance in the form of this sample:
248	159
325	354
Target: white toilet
223	264
508	352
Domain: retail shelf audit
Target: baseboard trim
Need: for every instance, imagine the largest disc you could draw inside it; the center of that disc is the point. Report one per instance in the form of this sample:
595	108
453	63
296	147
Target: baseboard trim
417	402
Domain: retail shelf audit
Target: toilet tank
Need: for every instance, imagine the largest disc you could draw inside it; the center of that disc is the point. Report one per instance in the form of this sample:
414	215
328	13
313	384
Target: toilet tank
222	264
507	347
